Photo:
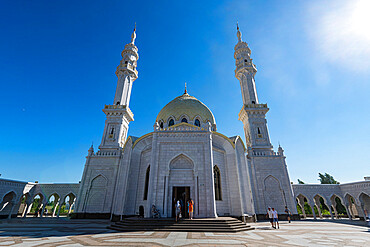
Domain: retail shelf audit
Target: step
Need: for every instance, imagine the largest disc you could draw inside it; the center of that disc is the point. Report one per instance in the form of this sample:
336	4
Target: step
179	229
179	223
184	227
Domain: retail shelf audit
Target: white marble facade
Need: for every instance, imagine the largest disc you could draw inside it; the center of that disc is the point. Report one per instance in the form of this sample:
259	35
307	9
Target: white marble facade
184	157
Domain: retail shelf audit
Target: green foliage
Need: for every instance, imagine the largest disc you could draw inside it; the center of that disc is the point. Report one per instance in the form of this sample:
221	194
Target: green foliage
36	203
340	207
300	181
327	179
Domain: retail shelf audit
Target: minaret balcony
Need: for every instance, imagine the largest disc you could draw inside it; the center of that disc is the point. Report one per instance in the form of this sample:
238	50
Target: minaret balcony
119	110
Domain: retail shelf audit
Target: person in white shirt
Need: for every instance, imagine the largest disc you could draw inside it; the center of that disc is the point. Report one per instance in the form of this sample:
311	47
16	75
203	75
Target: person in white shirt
275	218
269	214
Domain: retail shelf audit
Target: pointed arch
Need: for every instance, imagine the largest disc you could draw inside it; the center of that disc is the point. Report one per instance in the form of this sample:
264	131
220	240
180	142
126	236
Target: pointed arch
217	183
97	194
273	194
181	161
146	186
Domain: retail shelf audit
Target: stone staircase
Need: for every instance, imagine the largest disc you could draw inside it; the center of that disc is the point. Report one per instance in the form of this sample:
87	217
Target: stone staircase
221	224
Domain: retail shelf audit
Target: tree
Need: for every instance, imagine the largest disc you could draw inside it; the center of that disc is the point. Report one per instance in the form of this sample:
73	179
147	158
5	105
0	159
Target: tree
300	181
327	179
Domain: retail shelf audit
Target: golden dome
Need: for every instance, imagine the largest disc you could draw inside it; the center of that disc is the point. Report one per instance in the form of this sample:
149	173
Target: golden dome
186	105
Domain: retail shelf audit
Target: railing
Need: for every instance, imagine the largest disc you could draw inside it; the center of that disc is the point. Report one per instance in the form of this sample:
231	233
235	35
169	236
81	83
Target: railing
265	153
255	105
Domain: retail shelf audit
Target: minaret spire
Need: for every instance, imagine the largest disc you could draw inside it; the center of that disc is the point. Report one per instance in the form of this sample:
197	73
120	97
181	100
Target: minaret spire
186	91
238	33
133	35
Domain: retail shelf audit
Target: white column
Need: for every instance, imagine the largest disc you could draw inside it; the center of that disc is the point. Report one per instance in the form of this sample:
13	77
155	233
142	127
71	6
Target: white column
55	208
60	207
210	190
43	209
349	212
313	211
166	197
12	203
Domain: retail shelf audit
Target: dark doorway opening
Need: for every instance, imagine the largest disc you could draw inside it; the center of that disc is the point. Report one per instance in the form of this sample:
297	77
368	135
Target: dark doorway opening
183	195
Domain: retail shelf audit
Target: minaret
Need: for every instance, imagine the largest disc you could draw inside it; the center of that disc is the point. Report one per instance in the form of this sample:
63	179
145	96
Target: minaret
252	114
119	114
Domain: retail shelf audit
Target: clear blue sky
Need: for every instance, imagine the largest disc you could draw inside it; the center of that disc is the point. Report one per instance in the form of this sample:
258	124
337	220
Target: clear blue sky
58	62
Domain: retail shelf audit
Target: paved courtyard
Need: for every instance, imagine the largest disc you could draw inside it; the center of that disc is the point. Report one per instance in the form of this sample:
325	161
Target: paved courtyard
64	232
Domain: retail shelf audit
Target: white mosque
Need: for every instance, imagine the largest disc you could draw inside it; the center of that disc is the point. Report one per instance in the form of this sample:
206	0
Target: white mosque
184	157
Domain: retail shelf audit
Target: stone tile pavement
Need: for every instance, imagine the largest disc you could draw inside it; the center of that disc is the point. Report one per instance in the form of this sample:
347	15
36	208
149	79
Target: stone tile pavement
64	232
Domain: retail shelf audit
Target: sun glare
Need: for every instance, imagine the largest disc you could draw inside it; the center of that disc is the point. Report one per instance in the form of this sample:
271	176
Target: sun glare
341	31
360	19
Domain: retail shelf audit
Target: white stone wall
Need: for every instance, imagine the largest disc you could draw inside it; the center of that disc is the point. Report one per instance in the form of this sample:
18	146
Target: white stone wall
271	183
98	183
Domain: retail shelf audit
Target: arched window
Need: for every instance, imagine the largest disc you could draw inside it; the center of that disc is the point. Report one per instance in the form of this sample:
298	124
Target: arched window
258	130
184	120
161	124
197	122
171	122
217	181
146	183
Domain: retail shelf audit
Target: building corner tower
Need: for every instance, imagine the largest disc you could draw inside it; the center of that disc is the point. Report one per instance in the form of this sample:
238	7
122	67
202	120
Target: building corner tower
269	175
98	181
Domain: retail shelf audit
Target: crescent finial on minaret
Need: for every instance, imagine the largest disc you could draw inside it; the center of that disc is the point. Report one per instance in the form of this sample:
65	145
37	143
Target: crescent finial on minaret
133	35
238	33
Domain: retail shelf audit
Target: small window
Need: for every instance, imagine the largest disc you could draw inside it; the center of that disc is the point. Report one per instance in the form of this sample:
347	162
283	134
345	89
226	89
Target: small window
197	122
253	102
171	122
161	125
258	130
246	60
126	62
184	120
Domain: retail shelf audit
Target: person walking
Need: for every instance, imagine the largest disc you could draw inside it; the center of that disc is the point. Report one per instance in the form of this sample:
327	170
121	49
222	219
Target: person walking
269	215
178	210
289	214
190	208
275	218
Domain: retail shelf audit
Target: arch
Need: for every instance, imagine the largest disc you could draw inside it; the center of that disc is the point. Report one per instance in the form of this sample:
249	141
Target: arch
304	207
197	122
146	186
37	204
351	205
184	120
217	183
273	194
7	204
97	194
338	206
181	161
171	122
161	124
9	196
67	204
99	181
274	181
364	199
322	207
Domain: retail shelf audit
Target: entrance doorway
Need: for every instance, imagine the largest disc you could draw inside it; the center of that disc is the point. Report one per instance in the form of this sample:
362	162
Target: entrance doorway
183	195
